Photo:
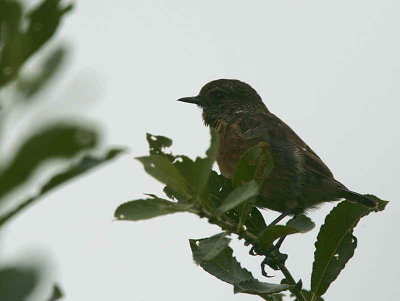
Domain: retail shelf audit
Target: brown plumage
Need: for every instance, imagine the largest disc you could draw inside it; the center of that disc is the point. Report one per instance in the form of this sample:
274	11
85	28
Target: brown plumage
299	180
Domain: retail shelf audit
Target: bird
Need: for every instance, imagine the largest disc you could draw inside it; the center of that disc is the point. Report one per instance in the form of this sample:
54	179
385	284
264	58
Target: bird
299	181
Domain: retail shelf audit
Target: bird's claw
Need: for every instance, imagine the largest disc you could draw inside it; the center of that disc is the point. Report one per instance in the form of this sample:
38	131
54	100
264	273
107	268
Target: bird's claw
273	261
263	272
254	251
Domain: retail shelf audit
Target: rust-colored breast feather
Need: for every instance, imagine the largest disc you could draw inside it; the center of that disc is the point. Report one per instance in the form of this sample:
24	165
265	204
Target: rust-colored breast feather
299	180
232	146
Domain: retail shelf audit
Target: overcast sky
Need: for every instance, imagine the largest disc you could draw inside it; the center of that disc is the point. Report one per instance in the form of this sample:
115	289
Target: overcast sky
330	69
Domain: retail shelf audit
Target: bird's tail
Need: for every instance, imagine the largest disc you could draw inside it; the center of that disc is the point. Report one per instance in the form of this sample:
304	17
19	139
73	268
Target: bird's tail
358	198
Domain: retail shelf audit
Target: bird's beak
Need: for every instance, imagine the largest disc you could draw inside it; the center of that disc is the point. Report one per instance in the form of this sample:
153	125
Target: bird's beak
193	99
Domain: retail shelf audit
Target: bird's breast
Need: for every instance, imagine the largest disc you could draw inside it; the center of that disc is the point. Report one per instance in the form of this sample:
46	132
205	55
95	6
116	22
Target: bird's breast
232	145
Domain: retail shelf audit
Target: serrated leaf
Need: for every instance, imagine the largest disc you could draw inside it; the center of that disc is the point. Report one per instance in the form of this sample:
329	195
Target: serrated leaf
335	243
239	196
84	165
256	164
163	170
148	208
224	266
255	287
299	224
59	141
210	247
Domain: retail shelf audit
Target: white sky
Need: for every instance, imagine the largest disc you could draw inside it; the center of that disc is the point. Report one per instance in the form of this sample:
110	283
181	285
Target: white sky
330	69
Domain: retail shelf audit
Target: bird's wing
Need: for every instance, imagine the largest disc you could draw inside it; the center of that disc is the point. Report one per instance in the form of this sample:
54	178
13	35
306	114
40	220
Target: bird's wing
274	131
315	164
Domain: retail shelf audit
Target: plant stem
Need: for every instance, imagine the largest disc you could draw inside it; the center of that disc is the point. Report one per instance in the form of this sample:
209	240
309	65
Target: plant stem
290	279
250	238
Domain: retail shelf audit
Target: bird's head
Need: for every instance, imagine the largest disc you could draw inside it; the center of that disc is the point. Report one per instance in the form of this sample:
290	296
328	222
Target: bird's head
221	98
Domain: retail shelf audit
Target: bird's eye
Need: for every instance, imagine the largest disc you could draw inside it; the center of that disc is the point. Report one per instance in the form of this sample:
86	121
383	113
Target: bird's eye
218	95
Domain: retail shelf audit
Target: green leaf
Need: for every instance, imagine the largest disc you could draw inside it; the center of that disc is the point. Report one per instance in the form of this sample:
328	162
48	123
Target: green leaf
206	166
255	287
255	223
25	33
195	173
191	171
273	233
335	243
299	224
16	284
148	208
256	163
208	248
11	14
84	165
186	168
224	266
59	141
163	170
218	188
243	210
29	85
157	144
56	293
198	172
274	297
238	196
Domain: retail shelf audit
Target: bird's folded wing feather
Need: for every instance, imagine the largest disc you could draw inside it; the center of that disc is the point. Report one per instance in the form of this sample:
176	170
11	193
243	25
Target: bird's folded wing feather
275	132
